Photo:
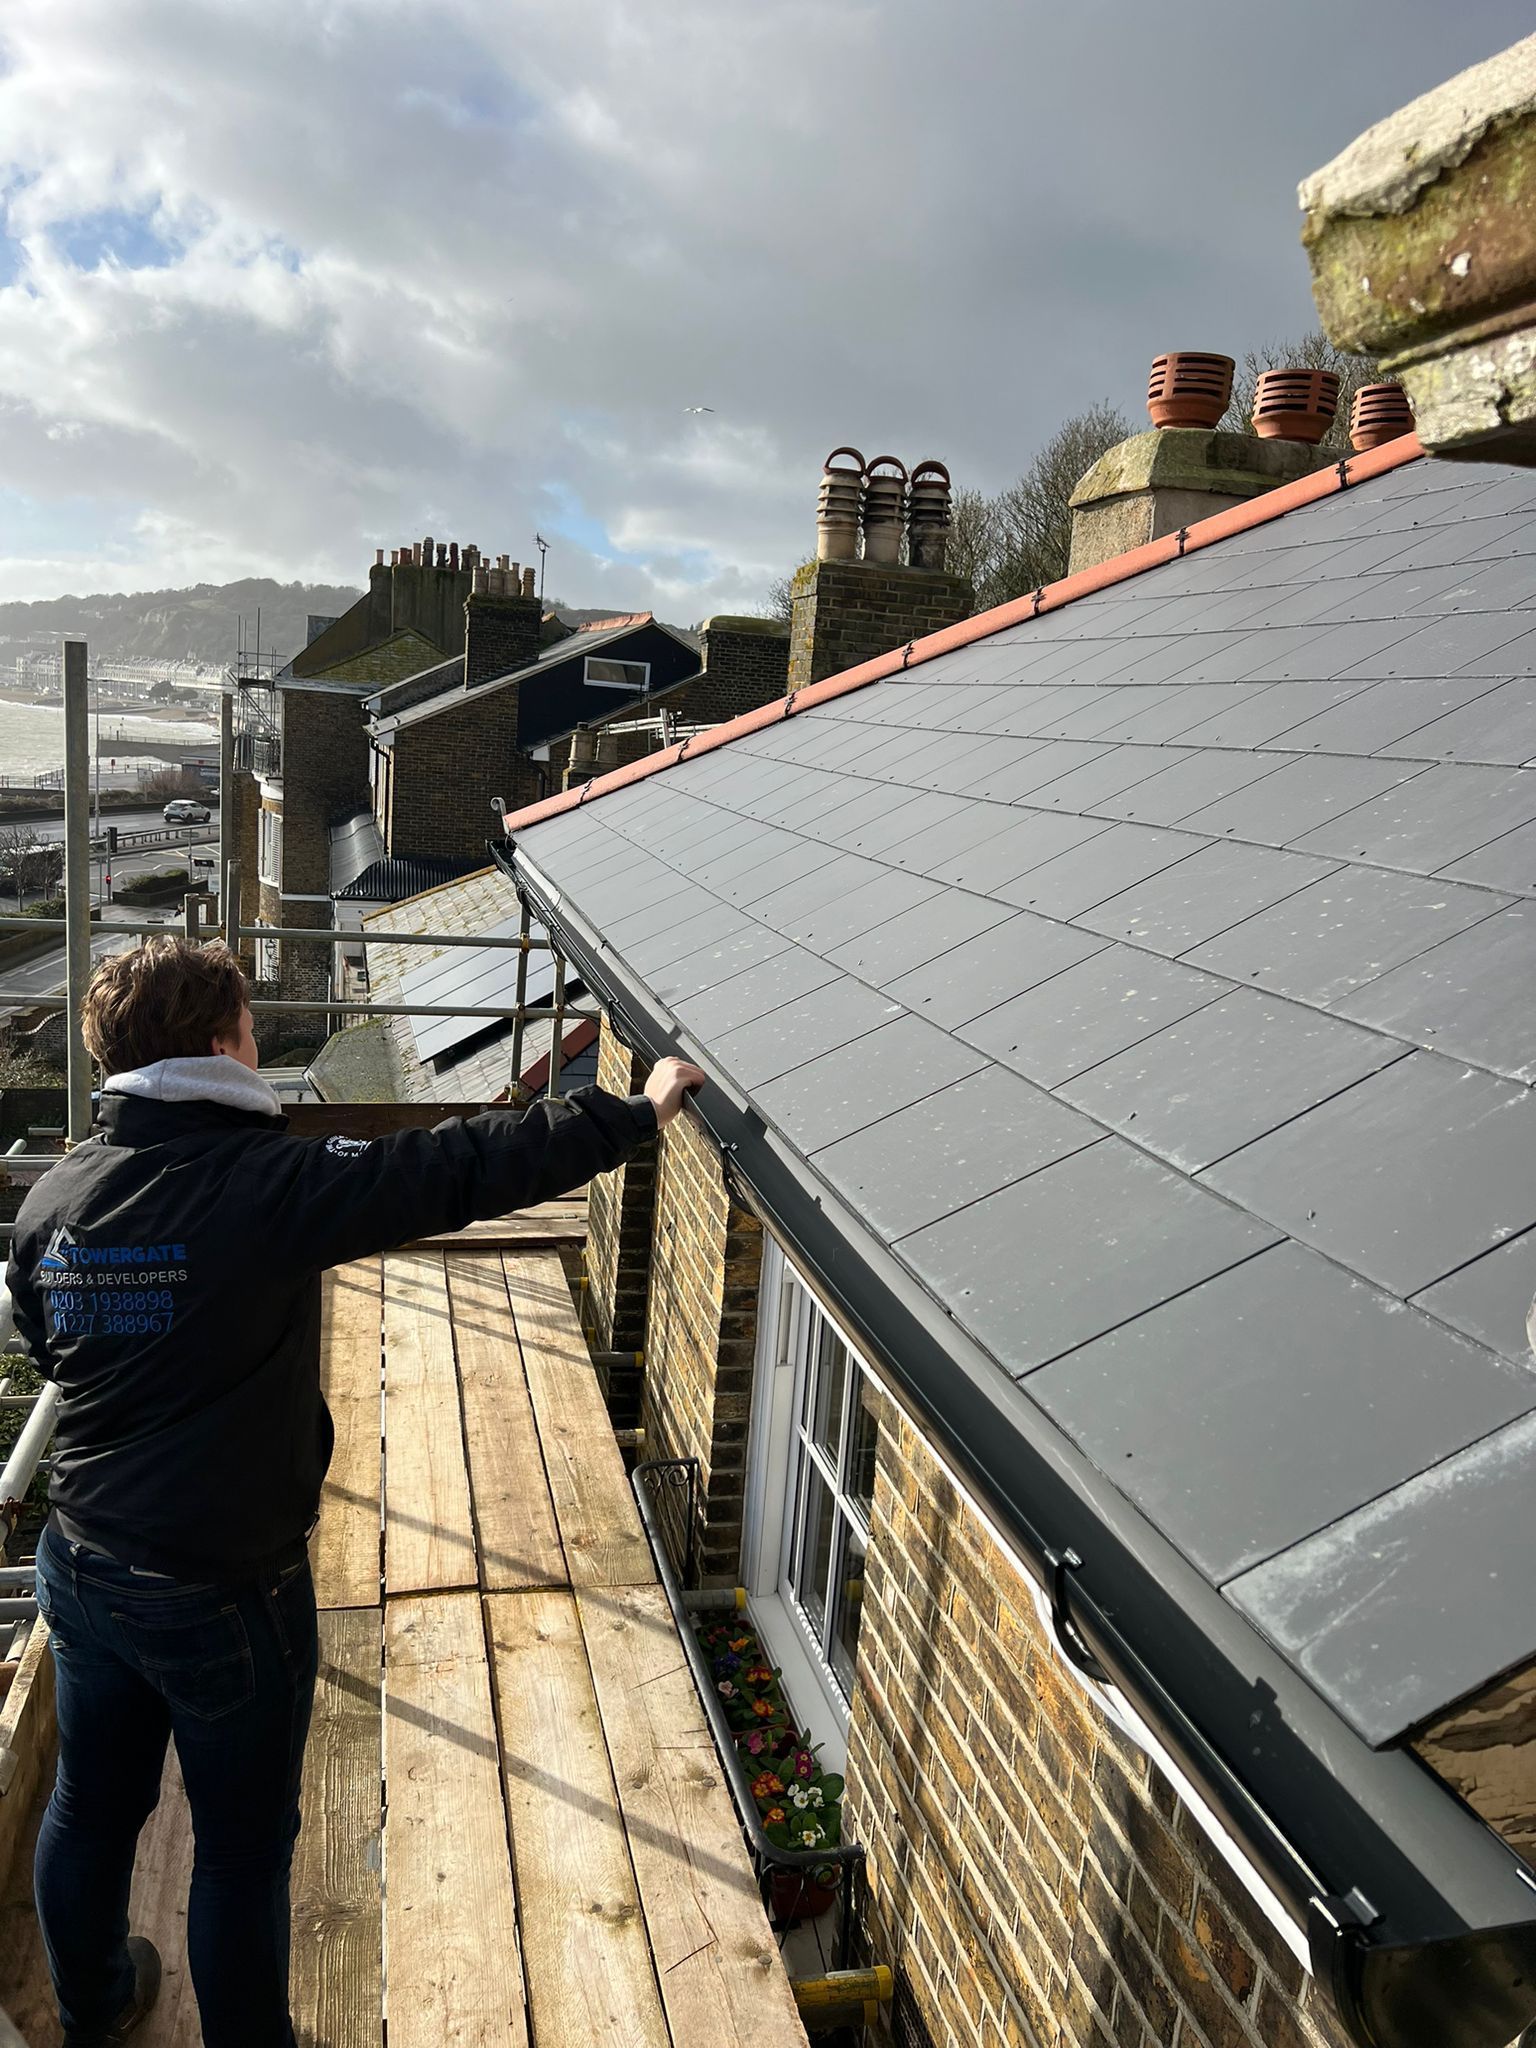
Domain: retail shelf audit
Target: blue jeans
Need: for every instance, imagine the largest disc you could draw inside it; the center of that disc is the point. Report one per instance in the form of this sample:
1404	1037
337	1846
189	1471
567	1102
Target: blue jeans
229	1671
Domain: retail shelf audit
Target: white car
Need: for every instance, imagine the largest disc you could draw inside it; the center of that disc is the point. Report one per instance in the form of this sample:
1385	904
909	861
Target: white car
186	810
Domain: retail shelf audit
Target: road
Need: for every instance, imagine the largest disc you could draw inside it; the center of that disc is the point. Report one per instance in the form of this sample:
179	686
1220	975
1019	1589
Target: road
150	820
47	976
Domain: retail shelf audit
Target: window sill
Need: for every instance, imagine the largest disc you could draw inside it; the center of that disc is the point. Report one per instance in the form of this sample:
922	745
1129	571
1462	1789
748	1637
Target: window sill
809	1690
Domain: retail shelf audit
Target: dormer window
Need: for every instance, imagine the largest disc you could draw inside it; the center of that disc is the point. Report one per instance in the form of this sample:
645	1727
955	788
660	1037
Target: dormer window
603	674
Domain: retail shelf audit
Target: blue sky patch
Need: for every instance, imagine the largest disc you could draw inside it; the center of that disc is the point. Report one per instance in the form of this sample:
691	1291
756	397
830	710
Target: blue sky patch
115	235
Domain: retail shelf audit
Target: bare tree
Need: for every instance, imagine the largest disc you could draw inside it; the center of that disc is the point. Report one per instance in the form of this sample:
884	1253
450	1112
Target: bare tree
780	601
974	550
28	861
1034	515
1312	351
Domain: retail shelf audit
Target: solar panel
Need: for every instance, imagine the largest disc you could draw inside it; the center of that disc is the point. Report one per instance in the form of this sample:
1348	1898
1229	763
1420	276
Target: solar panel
480	977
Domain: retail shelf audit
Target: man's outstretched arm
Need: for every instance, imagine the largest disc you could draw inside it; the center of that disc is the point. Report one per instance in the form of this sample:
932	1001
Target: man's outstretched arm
346	1198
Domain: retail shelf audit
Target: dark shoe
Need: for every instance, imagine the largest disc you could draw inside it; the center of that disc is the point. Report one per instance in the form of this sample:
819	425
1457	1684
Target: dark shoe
145	1958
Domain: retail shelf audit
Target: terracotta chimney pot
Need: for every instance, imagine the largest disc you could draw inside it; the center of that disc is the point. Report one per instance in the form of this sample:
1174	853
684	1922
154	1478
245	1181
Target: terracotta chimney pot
1295	405
480	582
453	554
416	554
885	509
378	558
1379	412
529	580
1188	389
928	516
839	504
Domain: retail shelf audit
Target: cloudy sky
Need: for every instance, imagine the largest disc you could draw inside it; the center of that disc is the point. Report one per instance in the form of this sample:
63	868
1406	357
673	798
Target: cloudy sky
281	283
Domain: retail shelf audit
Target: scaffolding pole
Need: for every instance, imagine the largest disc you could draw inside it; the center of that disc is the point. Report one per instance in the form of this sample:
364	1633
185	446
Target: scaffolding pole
77	877
226	801
520	1007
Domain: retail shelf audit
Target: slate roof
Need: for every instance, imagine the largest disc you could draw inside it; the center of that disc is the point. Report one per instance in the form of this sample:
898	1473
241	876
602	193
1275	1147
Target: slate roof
1154	978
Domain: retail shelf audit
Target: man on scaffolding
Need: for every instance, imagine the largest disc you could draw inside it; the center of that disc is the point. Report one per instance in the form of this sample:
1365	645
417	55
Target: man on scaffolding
167	1275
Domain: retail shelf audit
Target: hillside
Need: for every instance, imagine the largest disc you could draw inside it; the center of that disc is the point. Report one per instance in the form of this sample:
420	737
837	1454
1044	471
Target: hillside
196	624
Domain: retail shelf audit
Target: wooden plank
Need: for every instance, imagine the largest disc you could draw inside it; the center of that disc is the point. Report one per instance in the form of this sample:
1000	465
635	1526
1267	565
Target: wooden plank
529	1230
720	1972
428	1535
158	1908
28	1738
344	1551
585	1954
162	1874
518	1541
451	1954
370	1119
599	1523
25	1992
338	1934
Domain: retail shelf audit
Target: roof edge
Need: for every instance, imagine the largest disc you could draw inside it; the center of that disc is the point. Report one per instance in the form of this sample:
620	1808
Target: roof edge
1307	490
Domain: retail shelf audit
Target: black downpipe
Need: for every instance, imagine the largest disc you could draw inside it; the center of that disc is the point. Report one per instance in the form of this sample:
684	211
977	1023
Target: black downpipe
768	1856
1422	1922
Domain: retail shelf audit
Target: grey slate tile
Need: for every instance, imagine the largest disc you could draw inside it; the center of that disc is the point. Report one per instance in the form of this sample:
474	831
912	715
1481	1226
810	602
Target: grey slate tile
678	937
1262	713
778	1041
840	1092
1491	1299
1298	797
1217	887
1220	1078
1087	1012
1119	768
1416	1600
740	981
1188	783
950	1148
786	904
1508	862
1498	727
1027	840
1098	869
1472	997
1270	1401
1011	1267
1343	931
1384	715
918	934
1448	811
979	973
1460	643
890	894
1403	1177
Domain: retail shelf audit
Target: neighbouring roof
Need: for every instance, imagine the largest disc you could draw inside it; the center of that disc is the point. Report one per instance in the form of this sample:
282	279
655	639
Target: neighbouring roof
392	879
464	1059
1149	984
356	843
575	646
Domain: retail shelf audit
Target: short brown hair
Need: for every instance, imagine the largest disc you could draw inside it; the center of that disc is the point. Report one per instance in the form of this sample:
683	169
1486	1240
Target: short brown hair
166	999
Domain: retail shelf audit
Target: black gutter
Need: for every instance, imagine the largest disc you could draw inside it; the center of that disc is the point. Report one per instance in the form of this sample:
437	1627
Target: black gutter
1421	1922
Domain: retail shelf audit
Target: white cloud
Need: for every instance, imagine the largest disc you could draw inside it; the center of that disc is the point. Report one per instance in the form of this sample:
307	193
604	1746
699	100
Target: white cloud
461	269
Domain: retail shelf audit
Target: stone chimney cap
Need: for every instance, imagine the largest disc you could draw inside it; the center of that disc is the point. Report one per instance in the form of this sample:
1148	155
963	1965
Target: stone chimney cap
855	469
1385	169
880	462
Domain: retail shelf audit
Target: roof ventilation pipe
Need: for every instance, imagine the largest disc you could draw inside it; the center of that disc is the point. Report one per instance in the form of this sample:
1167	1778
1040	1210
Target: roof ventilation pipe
885	509
1188	389
928	515
1378	412
1295	405
839	507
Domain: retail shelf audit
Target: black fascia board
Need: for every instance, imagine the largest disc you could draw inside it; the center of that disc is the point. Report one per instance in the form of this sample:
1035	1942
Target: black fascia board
1421	1921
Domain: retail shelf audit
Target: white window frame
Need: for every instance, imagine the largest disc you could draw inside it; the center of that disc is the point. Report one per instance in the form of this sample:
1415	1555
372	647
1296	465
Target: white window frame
640	689
269	847
268	959
789	1316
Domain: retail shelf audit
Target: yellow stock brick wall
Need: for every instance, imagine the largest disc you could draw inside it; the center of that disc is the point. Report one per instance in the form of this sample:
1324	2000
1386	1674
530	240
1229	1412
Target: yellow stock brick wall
701	1332
1033	1878
619	1207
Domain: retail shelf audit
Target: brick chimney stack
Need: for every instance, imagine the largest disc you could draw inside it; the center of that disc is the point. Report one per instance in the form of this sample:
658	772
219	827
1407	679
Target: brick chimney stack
501	622
846	610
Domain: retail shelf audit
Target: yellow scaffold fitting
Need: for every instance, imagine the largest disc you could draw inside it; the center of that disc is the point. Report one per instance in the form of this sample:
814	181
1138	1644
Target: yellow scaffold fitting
838	1989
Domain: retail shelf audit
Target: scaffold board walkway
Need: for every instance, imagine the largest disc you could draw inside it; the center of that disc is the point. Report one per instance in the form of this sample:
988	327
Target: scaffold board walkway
513	1813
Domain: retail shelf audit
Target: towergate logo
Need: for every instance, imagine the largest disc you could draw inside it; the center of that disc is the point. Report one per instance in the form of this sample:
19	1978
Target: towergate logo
65	1255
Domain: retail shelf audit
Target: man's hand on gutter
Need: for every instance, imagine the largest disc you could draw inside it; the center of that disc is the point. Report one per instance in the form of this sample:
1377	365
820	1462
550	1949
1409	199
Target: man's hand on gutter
669	1083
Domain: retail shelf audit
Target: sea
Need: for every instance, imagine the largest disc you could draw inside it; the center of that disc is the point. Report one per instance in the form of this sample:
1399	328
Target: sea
32	738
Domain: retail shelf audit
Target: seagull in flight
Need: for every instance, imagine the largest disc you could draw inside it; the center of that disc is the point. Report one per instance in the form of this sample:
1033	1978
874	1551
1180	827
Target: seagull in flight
698	408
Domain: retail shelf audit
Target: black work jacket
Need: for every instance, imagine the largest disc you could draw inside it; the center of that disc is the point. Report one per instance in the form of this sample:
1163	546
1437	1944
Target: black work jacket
167	1274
